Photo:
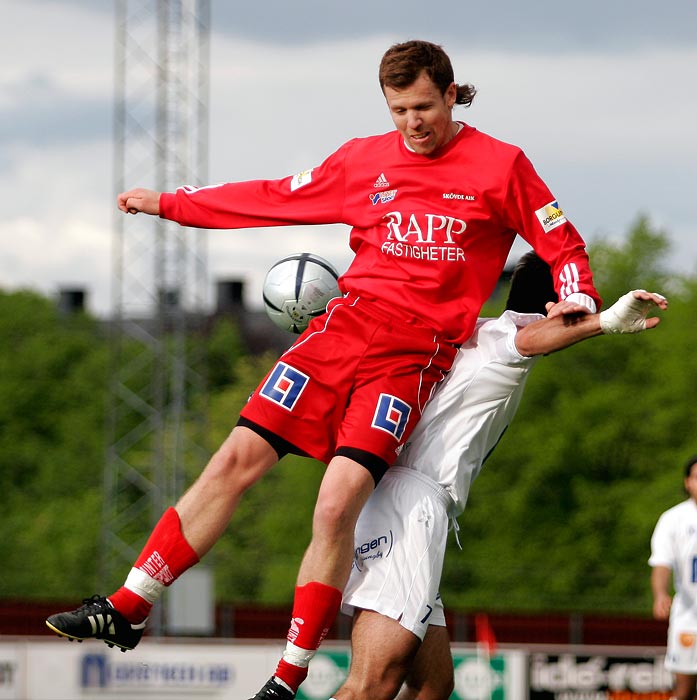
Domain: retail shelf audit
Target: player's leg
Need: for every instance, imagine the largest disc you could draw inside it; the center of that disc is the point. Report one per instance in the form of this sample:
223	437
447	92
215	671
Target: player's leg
324	571
685	686
387	391
181	537
207	506
430	674
381	653
343	492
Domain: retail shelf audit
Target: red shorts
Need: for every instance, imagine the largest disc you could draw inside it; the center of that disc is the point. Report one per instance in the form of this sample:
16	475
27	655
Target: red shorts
357	378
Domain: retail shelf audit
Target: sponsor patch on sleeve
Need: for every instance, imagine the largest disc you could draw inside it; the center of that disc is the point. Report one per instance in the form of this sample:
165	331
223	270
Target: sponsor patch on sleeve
550	216
301	179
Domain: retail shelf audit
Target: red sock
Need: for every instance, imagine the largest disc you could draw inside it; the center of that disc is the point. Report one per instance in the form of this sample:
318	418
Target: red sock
134	608
165	557
314	609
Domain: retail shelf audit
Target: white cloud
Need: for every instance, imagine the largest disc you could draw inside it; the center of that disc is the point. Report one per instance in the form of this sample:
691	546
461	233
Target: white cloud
72	45
57	230
74	255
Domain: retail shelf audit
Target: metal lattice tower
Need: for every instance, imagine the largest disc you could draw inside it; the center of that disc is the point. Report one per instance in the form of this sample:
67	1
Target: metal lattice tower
159	274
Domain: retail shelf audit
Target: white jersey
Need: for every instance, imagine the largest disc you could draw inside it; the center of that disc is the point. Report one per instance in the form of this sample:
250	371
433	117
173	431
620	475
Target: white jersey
401	533
674	545
471	410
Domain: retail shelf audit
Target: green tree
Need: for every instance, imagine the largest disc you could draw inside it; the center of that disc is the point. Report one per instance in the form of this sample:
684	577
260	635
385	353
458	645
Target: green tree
637	260
53	379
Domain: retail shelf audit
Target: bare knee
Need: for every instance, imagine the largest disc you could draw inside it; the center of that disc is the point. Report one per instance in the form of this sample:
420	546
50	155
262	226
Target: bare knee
382	654
333	514
344	490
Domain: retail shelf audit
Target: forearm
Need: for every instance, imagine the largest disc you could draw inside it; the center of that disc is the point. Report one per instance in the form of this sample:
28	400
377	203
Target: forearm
660	587
660	581
551	334
566	323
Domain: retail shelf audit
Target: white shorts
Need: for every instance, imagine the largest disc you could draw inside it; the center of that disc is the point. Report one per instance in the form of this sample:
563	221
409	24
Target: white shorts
399	549
681	652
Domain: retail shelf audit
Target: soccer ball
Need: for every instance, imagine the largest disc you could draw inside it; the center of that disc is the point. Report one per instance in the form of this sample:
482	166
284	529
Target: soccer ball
297	289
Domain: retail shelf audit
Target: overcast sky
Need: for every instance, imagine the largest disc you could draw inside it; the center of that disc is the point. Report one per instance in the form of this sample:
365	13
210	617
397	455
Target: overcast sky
600	94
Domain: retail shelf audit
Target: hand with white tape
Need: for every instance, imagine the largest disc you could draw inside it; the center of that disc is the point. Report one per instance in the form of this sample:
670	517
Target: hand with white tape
629	314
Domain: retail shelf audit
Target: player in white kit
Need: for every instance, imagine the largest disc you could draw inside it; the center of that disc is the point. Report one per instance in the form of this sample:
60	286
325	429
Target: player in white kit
402	531
674	556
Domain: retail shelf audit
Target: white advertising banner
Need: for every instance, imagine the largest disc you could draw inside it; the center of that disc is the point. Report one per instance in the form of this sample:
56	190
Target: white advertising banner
53	669
227	670
62	671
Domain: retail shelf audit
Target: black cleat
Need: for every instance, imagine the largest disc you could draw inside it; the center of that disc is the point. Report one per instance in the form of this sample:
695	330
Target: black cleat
96	618
274	691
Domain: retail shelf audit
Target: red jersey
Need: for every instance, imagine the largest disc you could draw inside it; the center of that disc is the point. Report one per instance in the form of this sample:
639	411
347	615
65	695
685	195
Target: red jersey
430	233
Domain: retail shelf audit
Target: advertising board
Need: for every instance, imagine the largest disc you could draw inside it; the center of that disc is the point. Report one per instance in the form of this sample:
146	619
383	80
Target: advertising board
615	675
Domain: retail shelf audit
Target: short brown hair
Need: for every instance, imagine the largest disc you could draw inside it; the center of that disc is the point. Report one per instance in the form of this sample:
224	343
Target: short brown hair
403	63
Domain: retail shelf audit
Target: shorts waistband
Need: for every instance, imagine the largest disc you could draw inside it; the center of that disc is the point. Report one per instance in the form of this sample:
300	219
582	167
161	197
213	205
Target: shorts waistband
433	486
377	310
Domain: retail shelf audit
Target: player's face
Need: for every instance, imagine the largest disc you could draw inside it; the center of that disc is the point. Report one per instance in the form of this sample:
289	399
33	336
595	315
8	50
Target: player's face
691	483
422	114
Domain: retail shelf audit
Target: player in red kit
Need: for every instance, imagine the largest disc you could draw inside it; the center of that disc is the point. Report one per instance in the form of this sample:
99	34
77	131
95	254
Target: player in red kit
434	208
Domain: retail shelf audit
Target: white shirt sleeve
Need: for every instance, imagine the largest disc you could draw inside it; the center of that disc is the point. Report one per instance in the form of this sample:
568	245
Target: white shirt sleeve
662	550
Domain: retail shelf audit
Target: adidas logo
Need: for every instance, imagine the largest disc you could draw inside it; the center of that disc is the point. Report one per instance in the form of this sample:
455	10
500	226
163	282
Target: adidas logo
381	181
102	622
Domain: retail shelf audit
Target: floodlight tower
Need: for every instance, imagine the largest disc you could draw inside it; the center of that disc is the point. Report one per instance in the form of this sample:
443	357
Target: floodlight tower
159	272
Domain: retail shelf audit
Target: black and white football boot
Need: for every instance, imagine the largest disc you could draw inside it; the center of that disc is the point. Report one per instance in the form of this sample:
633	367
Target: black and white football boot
96	618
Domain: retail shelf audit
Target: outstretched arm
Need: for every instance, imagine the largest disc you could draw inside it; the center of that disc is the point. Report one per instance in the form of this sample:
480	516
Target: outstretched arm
629	314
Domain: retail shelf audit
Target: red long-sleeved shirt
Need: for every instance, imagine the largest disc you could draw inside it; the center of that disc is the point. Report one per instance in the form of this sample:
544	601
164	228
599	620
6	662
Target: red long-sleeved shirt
430	234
